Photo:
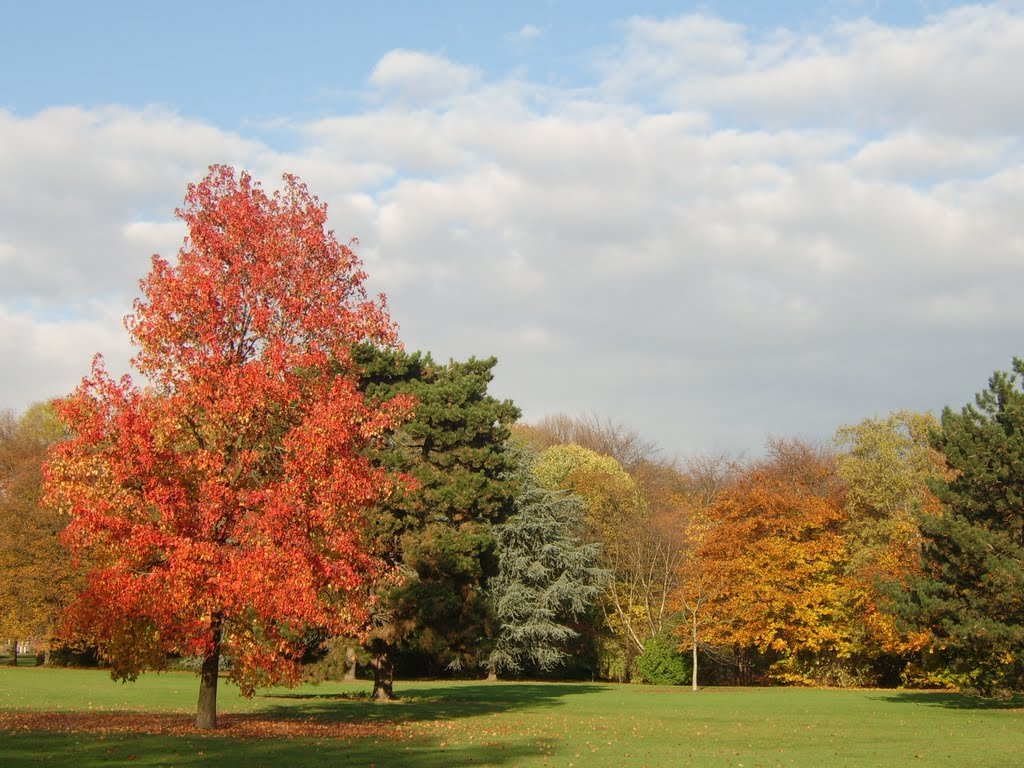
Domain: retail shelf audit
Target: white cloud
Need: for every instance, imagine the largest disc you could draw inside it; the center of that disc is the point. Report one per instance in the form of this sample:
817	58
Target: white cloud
70	181
420	78
917	156
157	236
953	73
48	356
529	32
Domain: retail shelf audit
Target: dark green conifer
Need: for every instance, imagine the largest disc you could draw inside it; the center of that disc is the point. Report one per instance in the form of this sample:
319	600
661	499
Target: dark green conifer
438	532
971	595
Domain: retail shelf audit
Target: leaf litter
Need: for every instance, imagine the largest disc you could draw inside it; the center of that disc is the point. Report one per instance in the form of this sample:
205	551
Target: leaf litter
239	726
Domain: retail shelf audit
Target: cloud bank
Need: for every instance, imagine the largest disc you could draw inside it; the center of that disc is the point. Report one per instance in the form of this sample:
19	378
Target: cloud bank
723	236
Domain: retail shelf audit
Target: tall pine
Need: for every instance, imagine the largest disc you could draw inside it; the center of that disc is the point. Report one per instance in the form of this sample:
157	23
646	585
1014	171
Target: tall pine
971	596
437	534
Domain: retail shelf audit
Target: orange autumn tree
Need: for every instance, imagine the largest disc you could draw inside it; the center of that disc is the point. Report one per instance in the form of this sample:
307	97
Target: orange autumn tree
775	553
697	584
223	503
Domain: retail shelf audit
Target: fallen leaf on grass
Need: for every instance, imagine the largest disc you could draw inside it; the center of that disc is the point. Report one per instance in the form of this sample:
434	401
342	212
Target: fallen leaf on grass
239	726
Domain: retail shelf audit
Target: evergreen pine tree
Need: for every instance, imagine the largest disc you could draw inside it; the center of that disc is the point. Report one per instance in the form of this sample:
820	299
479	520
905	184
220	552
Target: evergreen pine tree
971	595
438	532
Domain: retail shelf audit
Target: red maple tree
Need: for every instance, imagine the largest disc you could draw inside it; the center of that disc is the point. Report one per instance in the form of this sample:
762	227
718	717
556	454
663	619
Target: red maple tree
221	506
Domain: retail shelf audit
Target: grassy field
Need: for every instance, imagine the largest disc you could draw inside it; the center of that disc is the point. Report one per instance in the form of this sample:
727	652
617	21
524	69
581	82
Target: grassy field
447	724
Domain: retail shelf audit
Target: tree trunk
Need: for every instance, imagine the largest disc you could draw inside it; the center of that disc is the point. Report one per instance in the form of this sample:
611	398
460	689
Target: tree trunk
206	714
14	653
350	663
492	673
694	638
630	654
383	675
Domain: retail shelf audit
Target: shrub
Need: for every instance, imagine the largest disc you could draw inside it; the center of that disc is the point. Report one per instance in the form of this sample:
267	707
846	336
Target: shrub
66	656
662	663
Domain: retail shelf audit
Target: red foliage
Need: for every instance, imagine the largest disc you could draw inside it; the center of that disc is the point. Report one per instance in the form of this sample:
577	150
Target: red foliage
230	492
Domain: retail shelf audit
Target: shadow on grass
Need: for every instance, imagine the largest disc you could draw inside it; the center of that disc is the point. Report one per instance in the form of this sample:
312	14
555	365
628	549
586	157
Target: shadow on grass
423	703
24	660
61	749
309	729
951	700
317	729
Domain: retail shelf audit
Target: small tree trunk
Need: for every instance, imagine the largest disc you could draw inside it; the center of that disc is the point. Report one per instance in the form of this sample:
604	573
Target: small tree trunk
492	673
694	638
206	713
350	663
743	666
383	676
630	654
14	653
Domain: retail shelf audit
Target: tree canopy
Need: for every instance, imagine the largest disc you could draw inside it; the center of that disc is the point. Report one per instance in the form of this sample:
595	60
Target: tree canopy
777	552
37	572
224	503
546	577
437	532
970	594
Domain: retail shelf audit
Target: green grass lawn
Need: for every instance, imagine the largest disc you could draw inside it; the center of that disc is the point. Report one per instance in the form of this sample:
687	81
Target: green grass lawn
448	724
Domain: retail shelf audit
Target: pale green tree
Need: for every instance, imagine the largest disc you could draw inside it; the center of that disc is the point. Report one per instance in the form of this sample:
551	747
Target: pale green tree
547	576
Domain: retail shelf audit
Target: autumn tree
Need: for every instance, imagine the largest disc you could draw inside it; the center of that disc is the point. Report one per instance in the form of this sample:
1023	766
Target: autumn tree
604	437
547	576
970	594
35	570
702	478
224	503
438	533
887	465
776	556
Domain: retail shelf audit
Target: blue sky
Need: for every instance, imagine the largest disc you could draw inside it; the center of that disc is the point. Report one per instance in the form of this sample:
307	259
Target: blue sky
239	63
715	222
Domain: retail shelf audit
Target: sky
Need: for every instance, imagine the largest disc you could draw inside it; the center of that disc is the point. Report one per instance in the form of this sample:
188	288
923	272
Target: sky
713	222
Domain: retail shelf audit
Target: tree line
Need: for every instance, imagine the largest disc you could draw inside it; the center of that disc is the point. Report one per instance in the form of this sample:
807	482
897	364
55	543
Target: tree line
292	494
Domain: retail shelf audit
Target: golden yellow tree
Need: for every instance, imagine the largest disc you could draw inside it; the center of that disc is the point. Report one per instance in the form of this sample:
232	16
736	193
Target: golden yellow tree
775	555
35	569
